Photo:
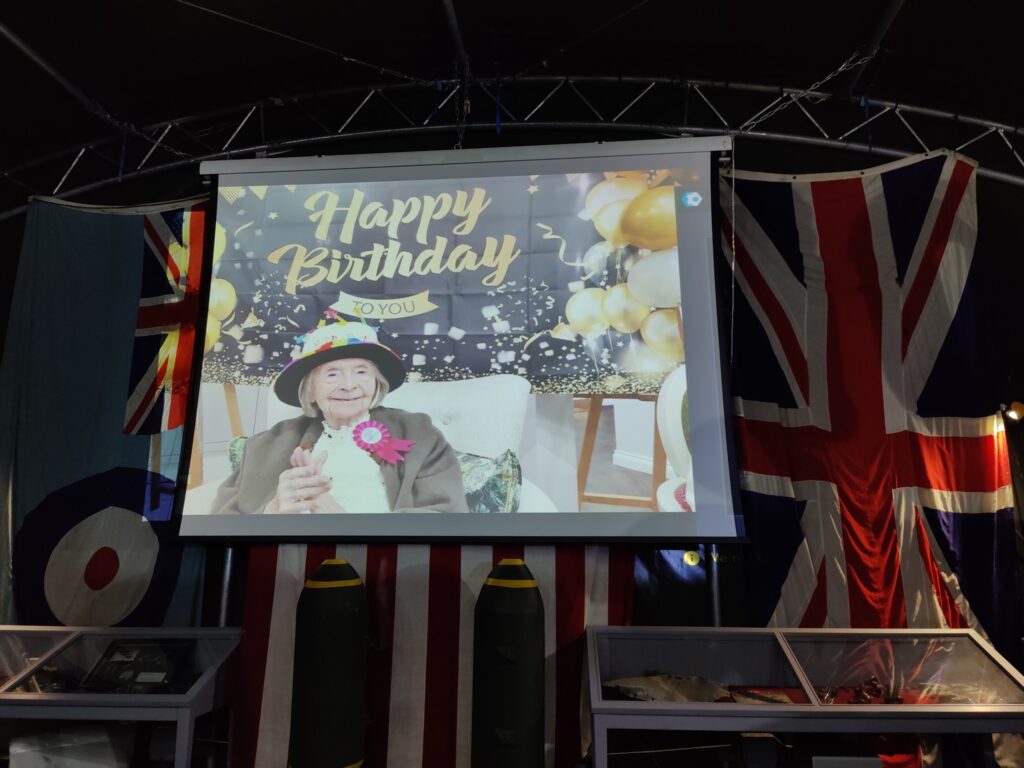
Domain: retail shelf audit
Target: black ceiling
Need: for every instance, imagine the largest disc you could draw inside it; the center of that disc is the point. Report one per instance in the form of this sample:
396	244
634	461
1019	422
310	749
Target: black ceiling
145	62
135	63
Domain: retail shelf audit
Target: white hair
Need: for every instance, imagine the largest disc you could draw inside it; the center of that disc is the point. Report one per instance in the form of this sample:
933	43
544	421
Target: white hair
311	409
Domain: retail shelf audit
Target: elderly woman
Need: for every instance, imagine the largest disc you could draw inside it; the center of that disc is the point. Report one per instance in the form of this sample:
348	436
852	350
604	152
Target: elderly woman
347	453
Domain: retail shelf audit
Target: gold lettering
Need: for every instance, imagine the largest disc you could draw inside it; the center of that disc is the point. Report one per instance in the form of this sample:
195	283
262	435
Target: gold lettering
500	260
460	257
300	259
432	259
469	209
325	215
398	261
340	265
403	212
434	209
373	215
360	269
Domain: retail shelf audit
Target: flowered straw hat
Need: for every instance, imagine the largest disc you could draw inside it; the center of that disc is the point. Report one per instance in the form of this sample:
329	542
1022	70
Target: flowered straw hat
332	341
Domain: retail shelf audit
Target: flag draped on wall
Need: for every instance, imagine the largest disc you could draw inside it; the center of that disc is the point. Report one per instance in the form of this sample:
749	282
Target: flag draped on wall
165	327
422	601
874	470
89	504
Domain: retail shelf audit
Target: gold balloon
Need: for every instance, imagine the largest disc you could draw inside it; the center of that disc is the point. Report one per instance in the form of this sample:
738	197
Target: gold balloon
642	359
220	242
610	190
622	311
661	332
583	311
222	298
212	332
650	219
608	222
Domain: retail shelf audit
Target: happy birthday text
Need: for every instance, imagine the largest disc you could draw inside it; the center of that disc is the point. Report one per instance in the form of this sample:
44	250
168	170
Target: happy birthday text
343	219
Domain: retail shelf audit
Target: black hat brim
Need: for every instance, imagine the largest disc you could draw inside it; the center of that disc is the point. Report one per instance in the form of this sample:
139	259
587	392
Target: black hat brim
286	385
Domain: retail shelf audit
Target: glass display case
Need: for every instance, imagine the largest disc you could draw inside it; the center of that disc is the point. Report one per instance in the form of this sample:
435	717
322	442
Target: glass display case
22	647
130	674
810	681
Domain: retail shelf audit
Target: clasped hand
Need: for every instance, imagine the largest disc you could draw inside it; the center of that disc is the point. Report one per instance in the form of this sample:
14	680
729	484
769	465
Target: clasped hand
304	487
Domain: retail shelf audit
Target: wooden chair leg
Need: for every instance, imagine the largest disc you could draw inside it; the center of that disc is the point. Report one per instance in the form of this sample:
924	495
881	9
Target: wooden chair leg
234	413
195	463
587	449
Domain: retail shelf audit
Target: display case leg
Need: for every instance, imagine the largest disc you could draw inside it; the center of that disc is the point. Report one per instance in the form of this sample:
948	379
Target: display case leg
183	740
600	744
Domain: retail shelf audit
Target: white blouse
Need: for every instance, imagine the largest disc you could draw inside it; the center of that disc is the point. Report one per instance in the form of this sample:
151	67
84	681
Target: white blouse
358	485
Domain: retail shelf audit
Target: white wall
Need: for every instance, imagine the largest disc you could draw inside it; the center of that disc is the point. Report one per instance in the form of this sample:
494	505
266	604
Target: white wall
548	452
634	434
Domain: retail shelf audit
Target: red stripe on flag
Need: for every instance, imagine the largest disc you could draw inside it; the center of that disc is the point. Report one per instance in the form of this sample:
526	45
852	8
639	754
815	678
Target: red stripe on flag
817	607
858	448
157	243
316	554
928	270
196	246
507	552
168	314
181	373
971	464
259	586
620	585
777	317
145	407
440	716
769	448
381	574
950	611
570	600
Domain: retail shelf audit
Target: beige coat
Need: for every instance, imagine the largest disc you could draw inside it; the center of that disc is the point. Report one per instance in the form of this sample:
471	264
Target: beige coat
429	480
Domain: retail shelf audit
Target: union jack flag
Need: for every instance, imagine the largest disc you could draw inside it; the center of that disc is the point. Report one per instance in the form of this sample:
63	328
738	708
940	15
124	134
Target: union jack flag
165	327
876	487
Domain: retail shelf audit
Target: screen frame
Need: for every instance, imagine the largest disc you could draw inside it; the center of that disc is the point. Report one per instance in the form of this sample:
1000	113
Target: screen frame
715	472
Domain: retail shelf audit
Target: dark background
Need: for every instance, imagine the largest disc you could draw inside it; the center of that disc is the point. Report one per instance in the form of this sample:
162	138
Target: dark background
306	67
127	66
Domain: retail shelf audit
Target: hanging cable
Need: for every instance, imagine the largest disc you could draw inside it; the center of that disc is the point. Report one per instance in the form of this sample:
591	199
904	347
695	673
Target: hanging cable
323	49
854	60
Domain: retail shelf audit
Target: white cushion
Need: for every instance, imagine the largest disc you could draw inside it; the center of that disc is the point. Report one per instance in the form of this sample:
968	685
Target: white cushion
483	416
670	423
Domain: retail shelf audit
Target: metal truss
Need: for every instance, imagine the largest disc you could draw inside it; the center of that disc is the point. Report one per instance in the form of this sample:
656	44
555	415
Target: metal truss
590	108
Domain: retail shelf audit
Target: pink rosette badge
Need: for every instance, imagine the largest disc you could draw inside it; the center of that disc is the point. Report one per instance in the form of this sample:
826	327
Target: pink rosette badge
373	437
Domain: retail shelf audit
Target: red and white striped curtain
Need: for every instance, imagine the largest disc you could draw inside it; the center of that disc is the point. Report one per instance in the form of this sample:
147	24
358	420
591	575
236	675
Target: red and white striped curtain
422	600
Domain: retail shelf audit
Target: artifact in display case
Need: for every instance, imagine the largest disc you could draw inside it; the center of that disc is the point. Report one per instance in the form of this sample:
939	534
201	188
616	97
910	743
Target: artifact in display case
666	687
151	674
902	670
99	662
144	666
708	668
802	681
22	647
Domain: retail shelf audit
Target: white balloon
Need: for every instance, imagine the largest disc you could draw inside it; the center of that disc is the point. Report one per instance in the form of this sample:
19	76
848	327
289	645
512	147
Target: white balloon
654	280
595	260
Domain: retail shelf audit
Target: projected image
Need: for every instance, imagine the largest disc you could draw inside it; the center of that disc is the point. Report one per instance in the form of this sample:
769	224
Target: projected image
477	345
